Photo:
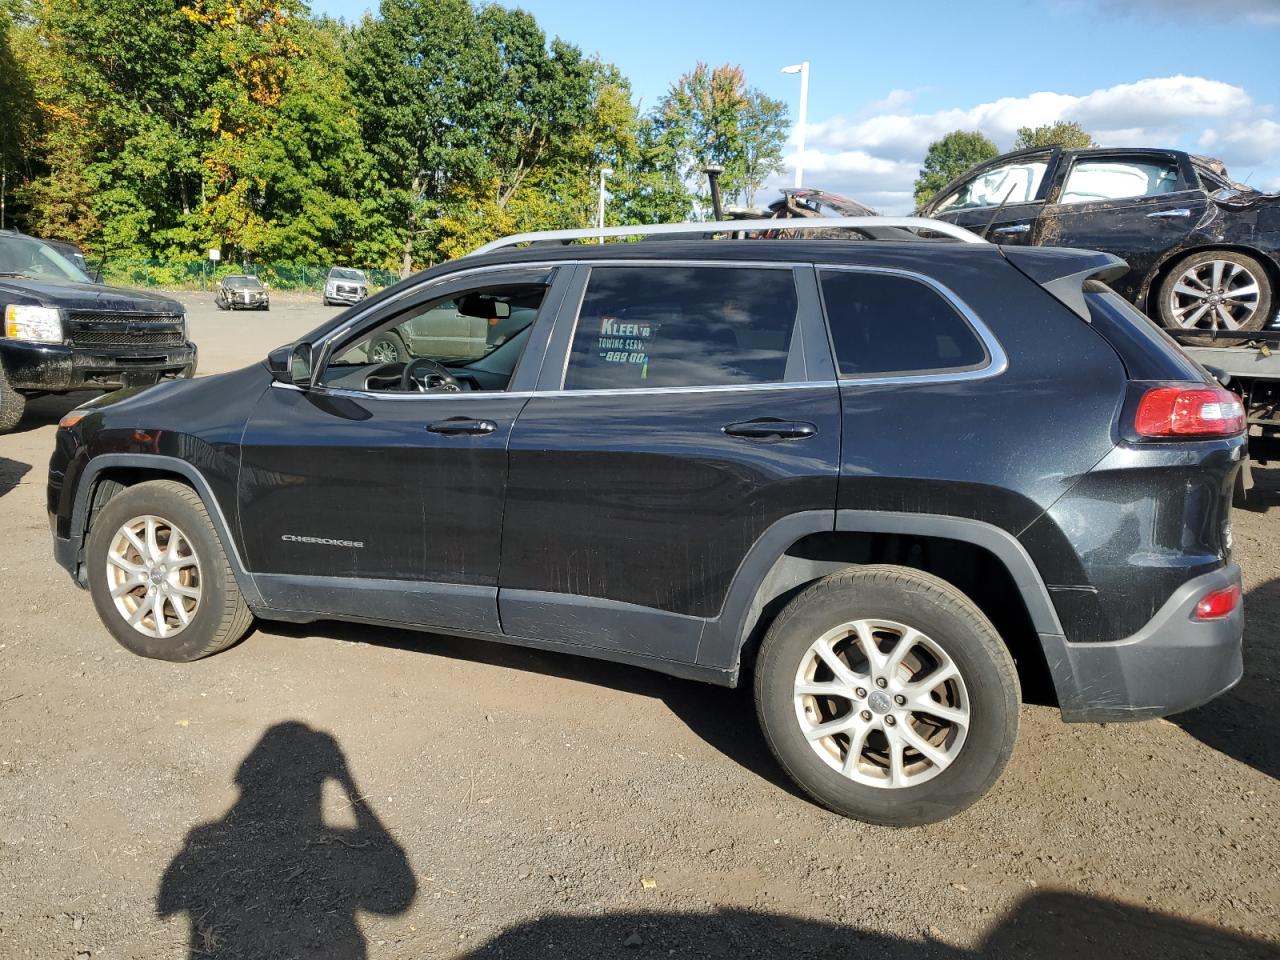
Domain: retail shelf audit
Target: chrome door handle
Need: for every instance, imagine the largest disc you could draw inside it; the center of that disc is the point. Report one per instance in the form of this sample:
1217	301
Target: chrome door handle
1180	212
461	426
1016	228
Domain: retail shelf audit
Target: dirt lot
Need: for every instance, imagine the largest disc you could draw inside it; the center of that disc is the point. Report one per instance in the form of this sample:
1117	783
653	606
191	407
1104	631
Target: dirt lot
346	792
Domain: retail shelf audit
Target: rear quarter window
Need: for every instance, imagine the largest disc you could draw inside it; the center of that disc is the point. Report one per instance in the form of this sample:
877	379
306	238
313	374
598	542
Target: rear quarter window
888	325
1147	351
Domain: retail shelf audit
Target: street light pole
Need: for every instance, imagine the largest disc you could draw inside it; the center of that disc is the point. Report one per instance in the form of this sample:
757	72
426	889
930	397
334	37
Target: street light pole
605	172
801	68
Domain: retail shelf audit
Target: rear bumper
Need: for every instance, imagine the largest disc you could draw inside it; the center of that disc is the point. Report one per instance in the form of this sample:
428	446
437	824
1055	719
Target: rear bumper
57	368
1172	664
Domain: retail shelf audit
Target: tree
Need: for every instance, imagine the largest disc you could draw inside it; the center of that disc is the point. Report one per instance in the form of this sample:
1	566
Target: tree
1065	133
416	72
711	117
18	110
949	157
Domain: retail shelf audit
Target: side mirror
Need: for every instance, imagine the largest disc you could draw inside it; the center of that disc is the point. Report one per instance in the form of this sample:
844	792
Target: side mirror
300	365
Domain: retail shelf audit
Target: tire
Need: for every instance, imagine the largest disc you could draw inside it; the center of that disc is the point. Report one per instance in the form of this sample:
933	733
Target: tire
951	629
12	405
218	617
387	348
1189	299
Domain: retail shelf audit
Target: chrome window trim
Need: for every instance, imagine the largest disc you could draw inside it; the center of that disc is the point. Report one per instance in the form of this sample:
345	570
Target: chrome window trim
997	361
650	262
527	394
435	282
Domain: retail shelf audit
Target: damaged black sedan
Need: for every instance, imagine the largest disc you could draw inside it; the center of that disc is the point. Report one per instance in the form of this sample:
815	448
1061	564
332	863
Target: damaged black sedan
1203	250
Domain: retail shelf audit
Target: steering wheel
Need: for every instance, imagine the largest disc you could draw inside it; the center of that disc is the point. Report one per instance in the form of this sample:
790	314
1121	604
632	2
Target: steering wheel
444	381
385	376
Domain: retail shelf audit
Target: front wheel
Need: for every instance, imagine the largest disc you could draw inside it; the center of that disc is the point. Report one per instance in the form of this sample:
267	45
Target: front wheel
1217	291
888	696
159	576
12	405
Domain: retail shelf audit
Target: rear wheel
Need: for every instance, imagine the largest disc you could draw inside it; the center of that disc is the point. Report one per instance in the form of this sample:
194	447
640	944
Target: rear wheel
12	405
1216	291
159	577
887	695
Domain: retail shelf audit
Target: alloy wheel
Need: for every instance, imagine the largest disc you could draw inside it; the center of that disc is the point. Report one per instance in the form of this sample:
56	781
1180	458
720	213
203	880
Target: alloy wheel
153	574
384	351
1217	295
881	703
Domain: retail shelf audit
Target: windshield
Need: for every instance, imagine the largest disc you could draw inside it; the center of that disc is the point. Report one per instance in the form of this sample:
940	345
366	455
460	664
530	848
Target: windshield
345	273
31	258
243	283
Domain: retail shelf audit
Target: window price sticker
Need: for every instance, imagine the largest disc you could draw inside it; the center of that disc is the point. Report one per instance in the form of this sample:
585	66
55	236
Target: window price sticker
625	342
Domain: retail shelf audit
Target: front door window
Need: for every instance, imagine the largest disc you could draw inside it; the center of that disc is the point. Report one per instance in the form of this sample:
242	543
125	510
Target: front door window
1009	183
463	342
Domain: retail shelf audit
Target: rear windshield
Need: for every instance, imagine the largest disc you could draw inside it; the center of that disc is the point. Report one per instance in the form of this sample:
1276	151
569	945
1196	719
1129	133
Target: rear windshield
1147	351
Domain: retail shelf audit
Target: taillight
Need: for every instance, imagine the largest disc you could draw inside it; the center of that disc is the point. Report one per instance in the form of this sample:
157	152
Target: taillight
1189	412
1220	603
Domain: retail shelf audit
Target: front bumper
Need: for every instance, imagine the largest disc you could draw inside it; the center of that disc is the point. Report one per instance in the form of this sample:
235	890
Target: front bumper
343	297
1172	664
57	368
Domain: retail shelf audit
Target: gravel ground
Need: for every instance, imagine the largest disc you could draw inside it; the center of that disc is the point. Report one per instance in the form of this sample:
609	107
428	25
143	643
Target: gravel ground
340	791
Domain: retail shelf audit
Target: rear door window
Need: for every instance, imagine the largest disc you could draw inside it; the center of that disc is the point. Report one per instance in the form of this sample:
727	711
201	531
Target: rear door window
1093	181
674	326
884	324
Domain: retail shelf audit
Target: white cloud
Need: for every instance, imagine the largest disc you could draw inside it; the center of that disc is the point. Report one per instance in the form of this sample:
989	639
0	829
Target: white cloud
861	155
1248	142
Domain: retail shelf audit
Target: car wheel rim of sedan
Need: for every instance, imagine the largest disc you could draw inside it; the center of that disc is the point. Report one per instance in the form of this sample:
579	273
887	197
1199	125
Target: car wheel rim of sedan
882	703
153	575
1217	295
385	353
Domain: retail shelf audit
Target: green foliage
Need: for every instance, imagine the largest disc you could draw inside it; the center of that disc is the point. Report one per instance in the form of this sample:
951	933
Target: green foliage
18	110
949	157
150	131
711	117
1065	133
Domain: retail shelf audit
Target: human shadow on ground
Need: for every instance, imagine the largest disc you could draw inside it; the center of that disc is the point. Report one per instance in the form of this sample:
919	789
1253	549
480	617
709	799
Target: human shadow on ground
1243	722
11	474
724	718
271	879
1048	926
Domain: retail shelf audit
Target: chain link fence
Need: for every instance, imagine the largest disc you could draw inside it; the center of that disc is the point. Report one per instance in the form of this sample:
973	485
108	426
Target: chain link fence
202	274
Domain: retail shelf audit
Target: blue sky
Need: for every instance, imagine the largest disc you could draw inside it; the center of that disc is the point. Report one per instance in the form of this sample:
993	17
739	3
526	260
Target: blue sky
886	78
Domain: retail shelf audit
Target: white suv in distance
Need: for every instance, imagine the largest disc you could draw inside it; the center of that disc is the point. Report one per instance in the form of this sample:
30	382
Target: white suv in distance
345	285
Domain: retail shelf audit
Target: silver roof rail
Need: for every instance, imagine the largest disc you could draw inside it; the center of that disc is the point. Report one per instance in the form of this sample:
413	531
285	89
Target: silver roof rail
878	228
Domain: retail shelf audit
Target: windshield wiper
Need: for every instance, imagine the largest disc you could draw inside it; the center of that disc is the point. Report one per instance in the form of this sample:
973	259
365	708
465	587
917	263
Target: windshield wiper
17	273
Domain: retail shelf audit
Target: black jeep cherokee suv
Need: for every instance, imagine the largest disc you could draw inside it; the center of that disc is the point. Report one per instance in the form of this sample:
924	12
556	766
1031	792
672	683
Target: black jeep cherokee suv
62	332
889	481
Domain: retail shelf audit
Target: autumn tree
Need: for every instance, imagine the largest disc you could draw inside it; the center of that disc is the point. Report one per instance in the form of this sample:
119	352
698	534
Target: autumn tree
1065	133
711	117
949	157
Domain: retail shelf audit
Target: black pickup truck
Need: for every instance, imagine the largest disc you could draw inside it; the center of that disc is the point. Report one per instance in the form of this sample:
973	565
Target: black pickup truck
63	332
